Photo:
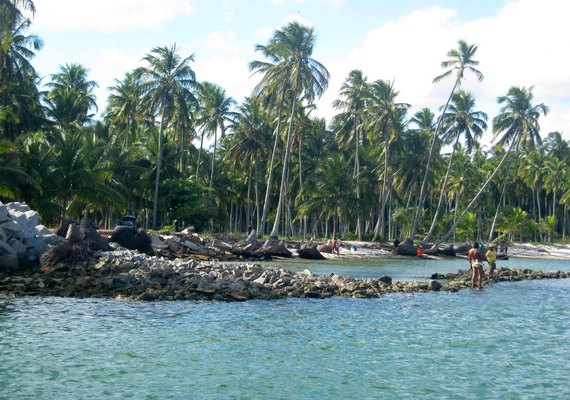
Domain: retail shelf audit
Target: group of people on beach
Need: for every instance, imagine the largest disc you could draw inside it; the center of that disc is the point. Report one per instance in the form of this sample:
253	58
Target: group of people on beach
476	255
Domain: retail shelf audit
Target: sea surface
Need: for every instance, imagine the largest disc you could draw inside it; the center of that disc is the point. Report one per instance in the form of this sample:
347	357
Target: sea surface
507	341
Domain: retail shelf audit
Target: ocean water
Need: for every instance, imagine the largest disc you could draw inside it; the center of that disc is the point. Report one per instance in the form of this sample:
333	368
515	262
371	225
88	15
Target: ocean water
508	341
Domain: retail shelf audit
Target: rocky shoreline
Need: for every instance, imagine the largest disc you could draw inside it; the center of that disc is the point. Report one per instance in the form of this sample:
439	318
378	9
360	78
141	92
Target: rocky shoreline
127	274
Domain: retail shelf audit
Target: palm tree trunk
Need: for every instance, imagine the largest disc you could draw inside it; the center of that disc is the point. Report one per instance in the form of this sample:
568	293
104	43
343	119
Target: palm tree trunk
199	154
430	156
214	157
452	229
257	219
492	230
261	230
158	167
275	231
442	192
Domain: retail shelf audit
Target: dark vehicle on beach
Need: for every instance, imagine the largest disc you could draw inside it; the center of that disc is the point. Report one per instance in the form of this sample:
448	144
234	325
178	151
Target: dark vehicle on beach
128	221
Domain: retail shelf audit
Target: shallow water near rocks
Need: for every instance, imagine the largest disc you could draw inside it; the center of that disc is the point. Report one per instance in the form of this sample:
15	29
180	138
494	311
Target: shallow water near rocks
510	340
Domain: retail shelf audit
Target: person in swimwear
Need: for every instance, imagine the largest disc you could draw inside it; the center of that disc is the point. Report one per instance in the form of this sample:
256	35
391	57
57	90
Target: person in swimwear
476	262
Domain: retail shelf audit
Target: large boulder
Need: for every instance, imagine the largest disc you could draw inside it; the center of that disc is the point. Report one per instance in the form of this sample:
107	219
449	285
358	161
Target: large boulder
22	239
310	253
407	248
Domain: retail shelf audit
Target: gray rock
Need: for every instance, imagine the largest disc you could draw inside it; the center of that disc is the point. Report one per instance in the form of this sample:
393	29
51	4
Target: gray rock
5	248
9	263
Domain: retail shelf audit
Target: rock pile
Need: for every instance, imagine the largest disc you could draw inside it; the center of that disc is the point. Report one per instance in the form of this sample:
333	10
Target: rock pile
128	274
22	239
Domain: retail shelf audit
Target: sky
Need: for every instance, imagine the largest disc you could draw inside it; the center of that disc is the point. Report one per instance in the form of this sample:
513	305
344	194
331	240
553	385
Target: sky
520	43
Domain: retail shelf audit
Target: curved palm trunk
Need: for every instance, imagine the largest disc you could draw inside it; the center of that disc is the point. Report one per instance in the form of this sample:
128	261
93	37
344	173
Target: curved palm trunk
157	177
452	229
275	231
261	230
442	192
430	156
492	231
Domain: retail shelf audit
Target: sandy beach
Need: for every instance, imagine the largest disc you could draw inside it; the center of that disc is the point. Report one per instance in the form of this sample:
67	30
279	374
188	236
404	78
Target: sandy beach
522	250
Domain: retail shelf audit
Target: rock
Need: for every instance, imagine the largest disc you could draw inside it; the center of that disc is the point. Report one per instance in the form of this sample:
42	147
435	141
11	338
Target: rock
386	279
434	285
5	248
310	253
9	263
407	248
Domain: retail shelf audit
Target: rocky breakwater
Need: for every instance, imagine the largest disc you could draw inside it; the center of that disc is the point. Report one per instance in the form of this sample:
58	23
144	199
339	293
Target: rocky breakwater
22	239
128	274
462	279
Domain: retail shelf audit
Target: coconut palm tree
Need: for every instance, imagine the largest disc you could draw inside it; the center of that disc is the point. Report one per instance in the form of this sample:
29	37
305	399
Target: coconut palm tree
460	60
71	99
461	120
518	124
166	84
12	10
384	118
351	102
123	107
330	194
20	107
215	112
299	77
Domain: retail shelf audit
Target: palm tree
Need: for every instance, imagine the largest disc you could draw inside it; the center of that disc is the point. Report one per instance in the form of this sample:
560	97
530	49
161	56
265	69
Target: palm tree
460	60
299	76
71	98
384	118
518	123
461	120
330	195
250	141
123	107
166	84
11	10
215	113
353	94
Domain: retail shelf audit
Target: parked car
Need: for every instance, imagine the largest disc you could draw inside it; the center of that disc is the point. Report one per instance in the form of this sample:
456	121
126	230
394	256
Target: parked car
128	221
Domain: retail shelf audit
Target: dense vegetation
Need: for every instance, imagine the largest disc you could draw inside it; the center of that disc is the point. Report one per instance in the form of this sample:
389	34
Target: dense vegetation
373	172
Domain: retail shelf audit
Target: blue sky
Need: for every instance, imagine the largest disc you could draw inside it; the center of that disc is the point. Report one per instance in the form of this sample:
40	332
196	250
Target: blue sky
521	43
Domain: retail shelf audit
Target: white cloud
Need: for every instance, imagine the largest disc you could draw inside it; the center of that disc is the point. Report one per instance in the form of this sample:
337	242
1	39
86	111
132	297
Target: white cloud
523	45
108	15
225	41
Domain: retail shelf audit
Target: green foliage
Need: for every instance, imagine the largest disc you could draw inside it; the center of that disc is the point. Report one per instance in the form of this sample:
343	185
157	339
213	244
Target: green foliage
188	202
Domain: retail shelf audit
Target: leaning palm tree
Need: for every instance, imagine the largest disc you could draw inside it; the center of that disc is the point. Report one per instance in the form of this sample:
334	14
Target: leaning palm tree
462	121
460	60
518	123
166	86
299	76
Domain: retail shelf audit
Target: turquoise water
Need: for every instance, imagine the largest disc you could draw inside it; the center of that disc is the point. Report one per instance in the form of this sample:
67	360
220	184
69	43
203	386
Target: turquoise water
508	341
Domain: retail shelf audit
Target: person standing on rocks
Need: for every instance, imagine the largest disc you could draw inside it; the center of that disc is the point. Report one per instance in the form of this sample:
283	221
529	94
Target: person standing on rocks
476	262
491	256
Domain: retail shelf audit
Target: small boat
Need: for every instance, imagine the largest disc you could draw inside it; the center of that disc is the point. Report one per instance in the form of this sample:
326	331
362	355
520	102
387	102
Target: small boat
502	257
